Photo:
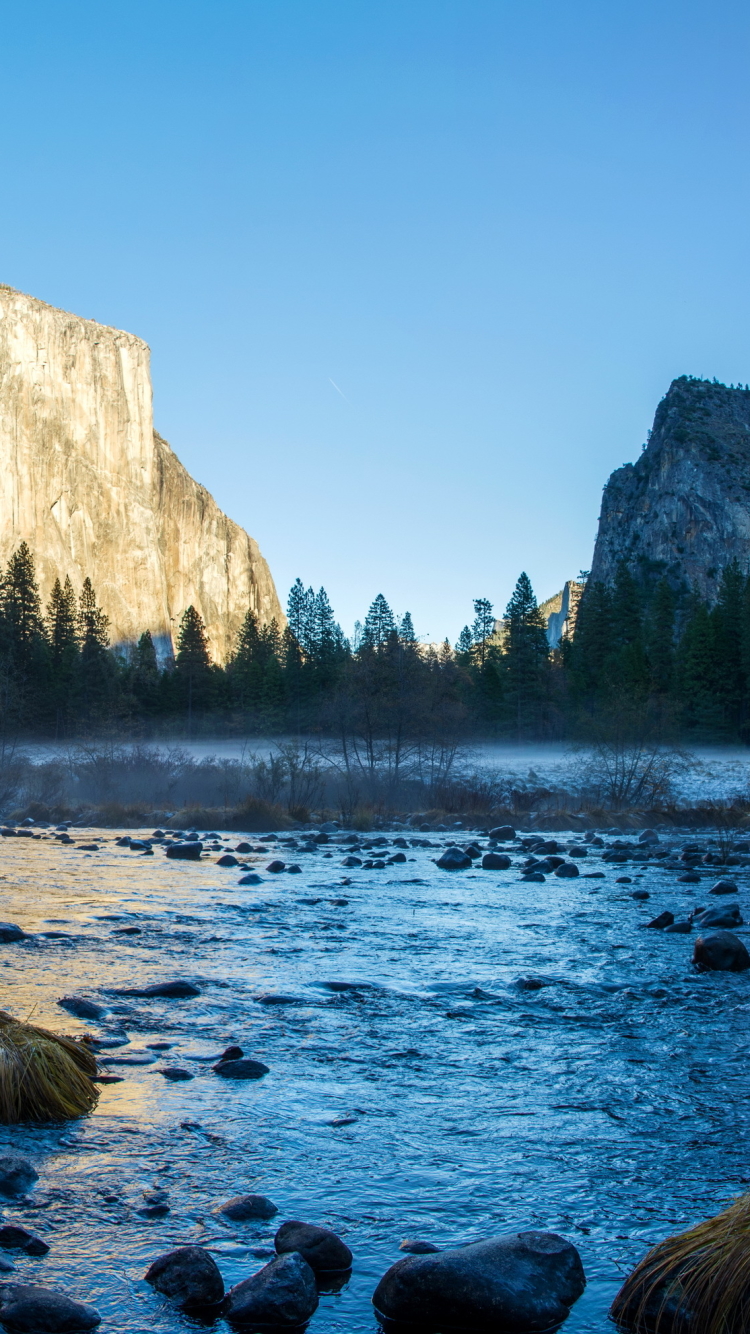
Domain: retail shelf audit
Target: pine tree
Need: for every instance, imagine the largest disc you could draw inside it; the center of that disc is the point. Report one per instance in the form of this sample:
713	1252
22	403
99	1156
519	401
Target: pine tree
26	666
482	628
660	639
95	676
525	657
62	621
465	642
379	624
146	680
727	617
406	629
696	671
192	663
301	615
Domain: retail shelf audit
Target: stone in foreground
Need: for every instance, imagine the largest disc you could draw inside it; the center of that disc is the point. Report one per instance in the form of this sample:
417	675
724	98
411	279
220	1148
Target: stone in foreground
526	1283
188	1275
187	852
322	1249
28	1308
720	952
282	1293
9	933
244	1208
243	1068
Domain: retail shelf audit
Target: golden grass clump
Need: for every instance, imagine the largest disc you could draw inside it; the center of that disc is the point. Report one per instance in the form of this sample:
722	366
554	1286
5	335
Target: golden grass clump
697	1281
43	1077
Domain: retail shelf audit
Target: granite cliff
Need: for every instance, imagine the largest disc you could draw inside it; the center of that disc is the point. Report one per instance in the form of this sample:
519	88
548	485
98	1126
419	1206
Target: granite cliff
87	482
683	509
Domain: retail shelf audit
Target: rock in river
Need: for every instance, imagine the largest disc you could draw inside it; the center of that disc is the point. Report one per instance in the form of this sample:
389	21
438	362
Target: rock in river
14	1238
28	1308
244	1208
659	923
185	851
525	1282
728	916
724	887
454	859
9	932
176	990
721	951
495	861
282	1293
321	1248
243	1068
504	833
16	1174
82	1008
188	1276
568	871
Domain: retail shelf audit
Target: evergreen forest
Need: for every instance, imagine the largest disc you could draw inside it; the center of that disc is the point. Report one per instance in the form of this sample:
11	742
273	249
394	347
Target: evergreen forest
646	655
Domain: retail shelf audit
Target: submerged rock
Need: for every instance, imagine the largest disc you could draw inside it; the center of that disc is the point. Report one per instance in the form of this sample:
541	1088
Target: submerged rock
17	1174
413	1246
29	1308
244	1208
9	933
14	1238
282	1293
728	916
175	1073
252	879
721	951
321	1248
188	1275
241	1068
525	1282
177	990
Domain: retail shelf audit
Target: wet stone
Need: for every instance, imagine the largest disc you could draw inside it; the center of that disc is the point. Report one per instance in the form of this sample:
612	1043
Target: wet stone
29	1308
188	1275
248	1208
721	951
14	1238
525	1282
282	1293
244	1068
321	1248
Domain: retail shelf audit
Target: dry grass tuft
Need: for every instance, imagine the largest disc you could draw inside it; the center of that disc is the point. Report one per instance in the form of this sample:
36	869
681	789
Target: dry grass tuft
43	1077
697	1281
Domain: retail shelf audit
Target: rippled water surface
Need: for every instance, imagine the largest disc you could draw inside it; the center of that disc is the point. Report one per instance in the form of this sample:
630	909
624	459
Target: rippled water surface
609	1105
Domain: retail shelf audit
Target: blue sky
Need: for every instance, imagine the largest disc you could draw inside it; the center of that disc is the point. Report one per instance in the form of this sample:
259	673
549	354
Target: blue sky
414	273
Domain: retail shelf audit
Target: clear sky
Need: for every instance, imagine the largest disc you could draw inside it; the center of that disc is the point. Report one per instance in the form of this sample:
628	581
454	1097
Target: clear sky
414	273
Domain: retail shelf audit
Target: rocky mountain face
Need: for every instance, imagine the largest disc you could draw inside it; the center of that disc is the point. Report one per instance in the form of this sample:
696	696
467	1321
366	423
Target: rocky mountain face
683	510
86	481
561	612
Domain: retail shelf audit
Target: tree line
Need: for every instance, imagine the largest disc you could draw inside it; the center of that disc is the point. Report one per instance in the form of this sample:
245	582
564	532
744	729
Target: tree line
642	646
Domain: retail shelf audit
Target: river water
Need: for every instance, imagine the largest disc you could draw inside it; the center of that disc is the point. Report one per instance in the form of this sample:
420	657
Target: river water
609	1105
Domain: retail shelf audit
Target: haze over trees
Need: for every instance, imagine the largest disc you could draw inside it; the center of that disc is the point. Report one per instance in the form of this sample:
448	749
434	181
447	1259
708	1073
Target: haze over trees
660	655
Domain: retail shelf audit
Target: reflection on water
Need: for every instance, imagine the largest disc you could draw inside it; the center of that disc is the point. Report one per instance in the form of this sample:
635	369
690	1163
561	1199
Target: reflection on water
435	1099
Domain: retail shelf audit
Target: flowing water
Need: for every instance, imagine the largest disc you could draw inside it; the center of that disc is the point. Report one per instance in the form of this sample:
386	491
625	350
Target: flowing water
608	1105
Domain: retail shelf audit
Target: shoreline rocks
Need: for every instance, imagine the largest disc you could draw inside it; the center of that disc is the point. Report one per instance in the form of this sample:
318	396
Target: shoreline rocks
322	1249
282	1293
188	1276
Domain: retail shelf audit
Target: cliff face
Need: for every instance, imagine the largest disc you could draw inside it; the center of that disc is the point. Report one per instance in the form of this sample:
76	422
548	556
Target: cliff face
685	505
94	491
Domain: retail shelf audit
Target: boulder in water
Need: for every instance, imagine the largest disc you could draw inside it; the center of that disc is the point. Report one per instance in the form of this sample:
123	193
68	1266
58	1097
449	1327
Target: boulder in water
495	861
29	1308
244	1208
282	1293
503	833
188	1275
454	859
722	952
321	1248
526	1283
724	887
185	851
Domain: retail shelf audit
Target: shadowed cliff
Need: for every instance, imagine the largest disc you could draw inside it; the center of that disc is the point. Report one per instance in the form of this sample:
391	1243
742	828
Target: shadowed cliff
683	509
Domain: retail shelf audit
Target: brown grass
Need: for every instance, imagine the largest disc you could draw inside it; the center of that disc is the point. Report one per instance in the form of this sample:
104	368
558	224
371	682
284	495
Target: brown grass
43	1077
697	1280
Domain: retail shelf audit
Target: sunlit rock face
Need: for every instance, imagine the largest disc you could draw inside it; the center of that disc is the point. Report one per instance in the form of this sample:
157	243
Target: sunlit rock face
683	509
86	481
